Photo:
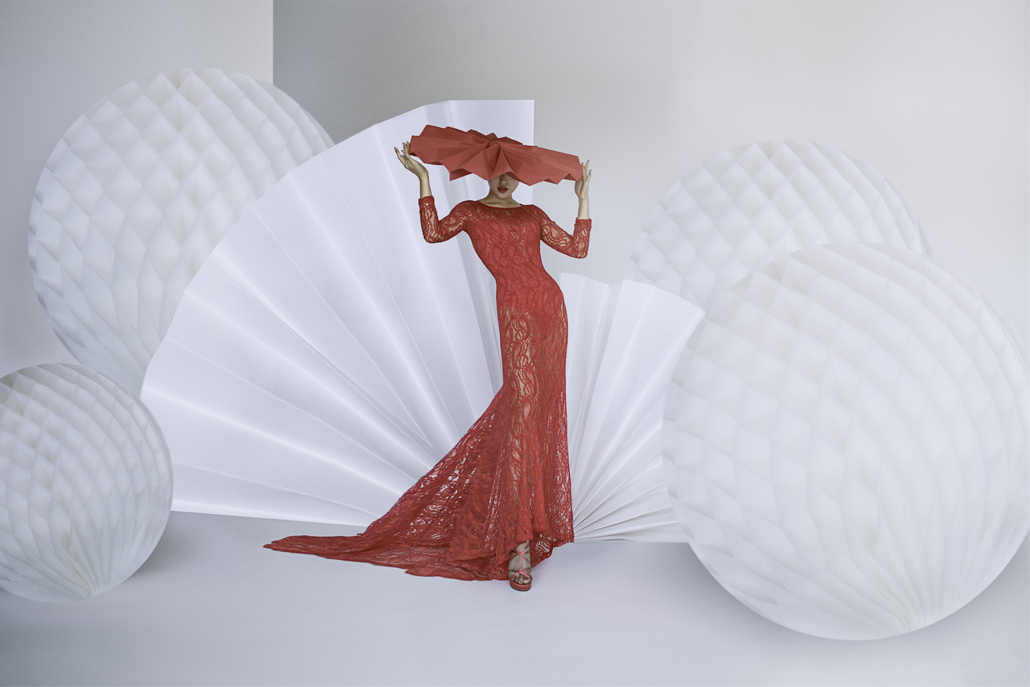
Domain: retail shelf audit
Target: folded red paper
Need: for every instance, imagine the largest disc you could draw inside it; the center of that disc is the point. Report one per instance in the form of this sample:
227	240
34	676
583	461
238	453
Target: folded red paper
489	156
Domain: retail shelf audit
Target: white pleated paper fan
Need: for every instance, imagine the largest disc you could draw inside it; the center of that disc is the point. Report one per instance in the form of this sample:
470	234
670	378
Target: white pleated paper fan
326	356
749	205
139	191
623	343
85	483
849	454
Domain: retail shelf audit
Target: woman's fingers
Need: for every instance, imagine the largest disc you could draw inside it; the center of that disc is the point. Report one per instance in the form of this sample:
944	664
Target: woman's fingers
410	163
404	155
583	183
404	159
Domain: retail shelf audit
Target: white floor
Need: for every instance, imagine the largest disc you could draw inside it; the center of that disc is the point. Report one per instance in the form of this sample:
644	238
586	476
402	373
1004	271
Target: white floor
211	606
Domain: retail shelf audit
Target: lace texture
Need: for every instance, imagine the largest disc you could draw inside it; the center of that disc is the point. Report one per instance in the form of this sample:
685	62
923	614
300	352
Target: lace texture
507	480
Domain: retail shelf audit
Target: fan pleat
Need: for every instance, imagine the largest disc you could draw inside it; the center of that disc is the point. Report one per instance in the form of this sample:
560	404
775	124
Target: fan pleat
623	343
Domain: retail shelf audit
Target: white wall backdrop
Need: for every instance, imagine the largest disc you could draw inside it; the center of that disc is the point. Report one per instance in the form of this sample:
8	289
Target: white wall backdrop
59	57
932	93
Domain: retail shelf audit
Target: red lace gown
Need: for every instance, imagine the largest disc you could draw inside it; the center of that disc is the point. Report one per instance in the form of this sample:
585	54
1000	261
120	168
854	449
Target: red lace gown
507	480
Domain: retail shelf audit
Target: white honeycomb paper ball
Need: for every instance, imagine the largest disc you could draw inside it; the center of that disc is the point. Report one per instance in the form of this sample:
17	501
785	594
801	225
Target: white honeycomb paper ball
85	483
139	191
849	454
749	205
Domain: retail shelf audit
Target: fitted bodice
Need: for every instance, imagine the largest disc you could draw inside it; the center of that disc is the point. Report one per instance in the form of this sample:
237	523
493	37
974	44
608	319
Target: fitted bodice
507	240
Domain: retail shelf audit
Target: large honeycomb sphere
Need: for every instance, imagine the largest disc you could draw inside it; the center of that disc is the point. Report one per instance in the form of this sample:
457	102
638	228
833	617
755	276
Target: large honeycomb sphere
138	193
849	452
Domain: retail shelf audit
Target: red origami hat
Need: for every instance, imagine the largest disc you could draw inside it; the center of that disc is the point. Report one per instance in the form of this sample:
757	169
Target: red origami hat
487	156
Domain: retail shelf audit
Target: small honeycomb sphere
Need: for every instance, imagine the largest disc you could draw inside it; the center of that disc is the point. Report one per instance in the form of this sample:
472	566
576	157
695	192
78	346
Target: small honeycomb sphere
85	483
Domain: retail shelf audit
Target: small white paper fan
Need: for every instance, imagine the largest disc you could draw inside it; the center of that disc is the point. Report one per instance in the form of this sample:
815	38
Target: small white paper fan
851	451
139	191
623	343
85	483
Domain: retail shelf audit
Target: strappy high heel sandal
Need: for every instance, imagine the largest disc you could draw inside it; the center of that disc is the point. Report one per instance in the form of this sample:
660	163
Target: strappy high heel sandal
520	578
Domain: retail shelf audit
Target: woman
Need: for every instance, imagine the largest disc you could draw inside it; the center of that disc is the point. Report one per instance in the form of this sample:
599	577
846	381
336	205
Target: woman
501	498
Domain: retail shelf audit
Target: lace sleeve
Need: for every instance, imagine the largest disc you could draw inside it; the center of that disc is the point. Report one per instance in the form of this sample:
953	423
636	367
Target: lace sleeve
435	230
574	246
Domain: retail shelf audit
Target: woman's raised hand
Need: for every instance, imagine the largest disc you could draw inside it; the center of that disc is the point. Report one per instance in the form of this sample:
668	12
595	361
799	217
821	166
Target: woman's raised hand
410	163
583	183
416	168
583	192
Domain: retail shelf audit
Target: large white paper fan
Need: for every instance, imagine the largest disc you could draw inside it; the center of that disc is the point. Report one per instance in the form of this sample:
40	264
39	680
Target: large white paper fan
749	205
139	191
326	356
85	483
850	451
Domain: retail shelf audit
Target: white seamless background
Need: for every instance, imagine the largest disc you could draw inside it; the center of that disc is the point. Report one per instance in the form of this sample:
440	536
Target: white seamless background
932	93
935	94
